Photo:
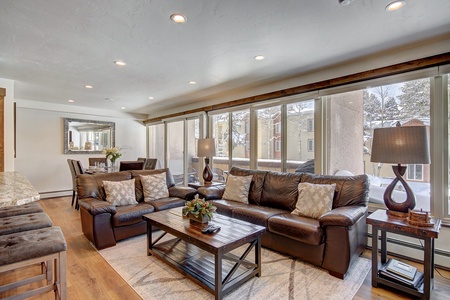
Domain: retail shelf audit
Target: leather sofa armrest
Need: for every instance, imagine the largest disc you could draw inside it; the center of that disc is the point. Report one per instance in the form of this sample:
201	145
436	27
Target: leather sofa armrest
343	216
95	206
211	192
182	192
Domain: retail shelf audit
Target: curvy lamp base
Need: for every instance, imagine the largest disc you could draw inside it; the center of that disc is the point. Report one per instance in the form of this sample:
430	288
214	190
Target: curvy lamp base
399	209
207	173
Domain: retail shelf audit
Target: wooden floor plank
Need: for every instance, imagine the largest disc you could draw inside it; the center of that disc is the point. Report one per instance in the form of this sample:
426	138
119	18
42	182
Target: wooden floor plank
89	276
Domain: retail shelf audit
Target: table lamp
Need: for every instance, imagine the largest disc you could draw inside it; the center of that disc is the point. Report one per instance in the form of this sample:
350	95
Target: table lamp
206	148
400	145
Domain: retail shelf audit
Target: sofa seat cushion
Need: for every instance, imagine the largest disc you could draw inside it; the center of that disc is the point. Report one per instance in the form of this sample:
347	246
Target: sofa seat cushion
256	214
167	203
302	229
23	209
131	214
19	223
225	207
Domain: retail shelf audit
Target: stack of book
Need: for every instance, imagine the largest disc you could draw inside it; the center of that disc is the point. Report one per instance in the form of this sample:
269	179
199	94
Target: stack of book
401	273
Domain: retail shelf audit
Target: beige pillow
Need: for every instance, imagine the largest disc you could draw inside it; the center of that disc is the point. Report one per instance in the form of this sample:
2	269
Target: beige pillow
237	188
314	200
154	186
120	193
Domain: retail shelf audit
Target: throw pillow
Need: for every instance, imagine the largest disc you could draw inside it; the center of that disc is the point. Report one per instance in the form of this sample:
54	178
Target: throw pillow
314	199
154	186
237	188
120	193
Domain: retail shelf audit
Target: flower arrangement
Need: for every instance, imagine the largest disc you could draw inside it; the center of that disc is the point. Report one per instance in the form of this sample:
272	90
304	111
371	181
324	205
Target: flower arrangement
199	208
112	153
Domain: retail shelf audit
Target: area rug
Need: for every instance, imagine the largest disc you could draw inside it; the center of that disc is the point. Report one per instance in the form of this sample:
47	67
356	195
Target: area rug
282	277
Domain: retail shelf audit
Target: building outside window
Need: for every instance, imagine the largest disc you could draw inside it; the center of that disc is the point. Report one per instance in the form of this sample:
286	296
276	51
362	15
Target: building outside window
310	145
310	124
415	172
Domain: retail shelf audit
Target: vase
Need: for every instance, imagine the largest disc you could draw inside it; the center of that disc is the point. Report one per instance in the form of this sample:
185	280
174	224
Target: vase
198	219
113	166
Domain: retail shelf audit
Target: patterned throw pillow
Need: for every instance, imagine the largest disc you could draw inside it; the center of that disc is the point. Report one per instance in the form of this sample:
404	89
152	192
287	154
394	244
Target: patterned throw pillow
154	186
120	193
237	188
314	199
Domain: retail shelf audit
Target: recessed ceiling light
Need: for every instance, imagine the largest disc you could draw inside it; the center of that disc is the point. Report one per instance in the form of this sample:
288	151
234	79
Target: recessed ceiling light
178	18
123	107
151	98
192	82
88	86
71	101
120	63
109	99
395	5
259	57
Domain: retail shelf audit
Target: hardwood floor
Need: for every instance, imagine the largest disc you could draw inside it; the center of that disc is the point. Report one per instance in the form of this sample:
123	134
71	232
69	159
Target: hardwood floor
89	276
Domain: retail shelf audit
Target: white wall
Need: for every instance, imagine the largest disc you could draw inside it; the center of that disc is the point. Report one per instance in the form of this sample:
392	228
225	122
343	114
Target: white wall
40	142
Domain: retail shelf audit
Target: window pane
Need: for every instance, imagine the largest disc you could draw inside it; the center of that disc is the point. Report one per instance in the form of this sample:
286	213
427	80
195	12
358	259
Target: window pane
221	137
175	142
268	158
193	132
300	134
241	139
156	144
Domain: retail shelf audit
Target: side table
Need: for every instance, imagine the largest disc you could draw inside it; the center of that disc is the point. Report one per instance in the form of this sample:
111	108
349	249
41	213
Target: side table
197	185
385	223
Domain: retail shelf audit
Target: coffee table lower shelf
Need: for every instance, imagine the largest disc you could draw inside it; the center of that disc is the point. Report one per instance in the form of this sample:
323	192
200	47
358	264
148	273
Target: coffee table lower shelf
200	265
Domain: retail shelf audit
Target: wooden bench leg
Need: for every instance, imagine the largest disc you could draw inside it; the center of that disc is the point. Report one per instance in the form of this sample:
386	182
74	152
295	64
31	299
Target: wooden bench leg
60	280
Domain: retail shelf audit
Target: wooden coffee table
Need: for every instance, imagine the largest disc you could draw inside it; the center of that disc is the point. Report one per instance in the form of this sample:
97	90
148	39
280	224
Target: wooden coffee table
206	258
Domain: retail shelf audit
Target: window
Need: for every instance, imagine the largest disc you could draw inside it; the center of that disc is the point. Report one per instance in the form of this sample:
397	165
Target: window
240	148
268	158
156	144
175	153
415	172
299	117
278	146
310	124
310	145
278	128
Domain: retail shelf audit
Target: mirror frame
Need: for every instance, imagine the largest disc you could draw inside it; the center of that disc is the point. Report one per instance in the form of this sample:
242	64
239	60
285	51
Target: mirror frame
66	135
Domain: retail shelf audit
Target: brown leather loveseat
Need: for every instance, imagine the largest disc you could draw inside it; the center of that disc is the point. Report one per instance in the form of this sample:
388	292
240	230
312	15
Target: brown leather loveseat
333	241
104	224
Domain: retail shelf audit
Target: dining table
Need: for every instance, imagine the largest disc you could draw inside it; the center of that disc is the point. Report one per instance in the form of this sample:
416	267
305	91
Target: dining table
16	189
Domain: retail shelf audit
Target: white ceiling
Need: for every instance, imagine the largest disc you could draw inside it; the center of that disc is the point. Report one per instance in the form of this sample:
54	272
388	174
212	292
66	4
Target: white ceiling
51	49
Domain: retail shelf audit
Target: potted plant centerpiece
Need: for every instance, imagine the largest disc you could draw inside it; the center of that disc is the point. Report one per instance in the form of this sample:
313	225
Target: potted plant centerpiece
112	154
199	210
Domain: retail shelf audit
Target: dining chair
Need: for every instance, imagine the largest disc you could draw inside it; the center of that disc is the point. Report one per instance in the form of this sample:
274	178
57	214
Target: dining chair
218	175
150	163
78	170
131	165
99	160
74	179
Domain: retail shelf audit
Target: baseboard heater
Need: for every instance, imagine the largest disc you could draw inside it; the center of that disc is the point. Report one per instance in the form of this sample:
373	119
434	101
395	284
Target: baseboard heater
412	246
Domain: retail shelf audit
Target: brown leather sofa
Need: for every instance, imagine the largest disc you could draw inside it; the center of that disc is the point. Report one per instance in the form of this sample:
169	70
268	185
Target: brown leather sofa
104	224
332	242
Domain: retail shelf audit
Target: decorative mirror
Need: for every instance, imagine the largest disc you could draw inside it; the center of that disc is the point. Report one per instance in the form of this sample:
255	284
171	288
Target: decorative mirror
87	136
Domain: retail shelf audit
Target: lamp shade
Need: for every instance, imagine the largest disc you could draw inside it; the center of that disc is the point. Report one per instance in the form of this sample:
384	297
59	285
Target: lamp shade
206	148
401	145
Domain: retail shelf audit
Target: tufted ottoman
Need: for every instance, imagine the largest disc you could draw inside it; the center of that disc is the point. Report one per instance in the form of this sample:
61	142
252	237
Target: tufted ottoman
24	209
19	223
46	246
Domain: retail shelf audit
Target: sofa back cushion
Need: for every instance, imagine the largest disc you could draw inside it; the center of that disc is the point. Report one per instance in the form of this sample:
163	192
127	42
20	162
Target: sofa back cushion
91	186
137	175
280	190
254	195
350	190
